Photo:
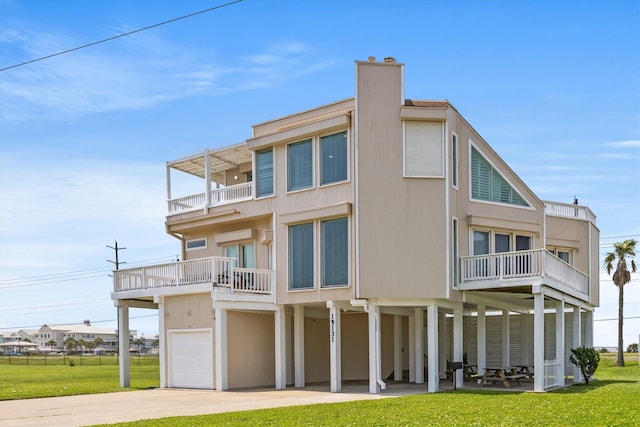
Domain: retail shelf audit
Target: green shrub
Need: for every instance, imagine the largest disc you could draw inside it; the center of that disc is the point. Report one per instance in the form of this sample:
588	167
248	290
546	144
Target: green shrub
604	350
633	348
72	362
587	358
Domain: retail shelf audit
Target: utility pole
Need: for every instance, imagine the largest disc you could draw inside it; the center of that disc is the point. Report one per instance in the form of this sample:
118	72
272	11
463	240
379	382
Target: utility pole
116	249
117	263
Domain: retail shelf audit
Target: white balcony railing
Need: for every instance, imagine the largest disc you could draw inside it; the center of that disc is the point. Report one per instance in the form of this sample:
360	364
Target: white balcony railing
536	263
218	271
568	210
219	196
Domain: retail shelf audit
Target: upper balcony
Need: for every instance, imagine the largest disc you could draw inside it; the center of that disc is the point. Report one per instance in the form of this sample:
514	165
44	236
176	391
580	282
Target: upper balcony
568	210
217	197
225	176
509	270
211	273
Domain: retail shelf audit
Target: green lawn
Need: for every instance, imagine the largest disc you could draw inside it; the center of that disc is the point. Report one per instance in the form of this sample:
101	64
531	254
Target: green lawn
613	400
21	381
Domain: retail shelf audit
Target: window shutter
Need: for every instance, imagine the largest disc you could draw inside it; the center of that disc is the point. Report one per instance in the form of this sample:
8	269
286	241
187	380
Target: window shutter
423	149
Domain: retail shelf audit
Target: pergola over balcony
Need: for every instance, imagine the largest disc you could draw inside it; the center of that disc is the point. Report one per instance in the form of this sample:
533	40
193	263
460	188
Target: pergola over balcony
211	167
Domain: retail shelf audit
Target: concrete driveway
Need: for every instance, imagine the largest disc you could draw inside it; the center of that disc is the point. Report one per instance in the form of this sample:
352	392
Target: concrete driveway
158	403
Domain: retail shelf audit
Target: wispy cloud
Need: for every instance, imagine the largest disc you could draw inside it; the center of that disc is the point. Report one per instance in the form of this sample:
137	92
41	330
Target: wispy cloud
139	73
632	143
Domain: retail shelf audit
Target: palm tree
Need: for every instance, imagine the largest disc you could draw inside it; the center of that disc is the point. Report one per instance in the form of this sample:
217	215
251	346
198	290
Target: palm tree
621	277
70	344
99	342
51	343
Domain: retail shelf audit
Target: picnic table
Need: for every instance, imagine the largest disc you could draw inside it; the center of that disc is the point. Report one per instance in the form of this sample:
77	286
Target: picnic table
525	370
504	375
470	372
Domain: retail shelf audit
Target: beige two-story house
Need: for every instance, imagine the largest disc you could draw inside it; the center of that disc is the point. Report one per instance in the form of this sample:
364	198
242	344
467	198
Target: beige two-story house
376	238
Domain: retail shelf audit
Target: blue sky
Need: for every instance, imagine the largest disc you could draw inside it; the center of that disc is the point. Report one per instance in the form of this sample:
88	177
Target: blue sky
553	86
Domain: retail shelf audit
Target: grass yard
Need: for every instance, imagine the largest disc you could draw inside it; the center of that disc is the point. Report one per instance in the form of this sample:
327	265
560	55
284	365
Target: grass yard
614	400
22	381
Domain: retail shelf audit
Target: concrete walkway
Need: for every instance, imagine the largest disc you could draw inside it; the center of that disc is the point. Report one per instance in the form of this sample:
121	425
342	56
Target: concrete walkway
159	403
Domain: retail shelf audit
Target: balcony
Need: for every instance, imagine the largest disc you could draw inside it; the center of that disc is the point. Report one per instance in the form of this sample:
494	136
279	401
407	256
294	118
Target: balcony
515	269
568	210
216	272
217	197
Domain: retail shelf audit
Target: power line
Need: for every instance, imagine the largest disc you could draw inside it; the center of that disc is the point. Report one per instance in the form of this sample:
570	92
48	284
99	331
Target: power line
121	35
66	324
67	276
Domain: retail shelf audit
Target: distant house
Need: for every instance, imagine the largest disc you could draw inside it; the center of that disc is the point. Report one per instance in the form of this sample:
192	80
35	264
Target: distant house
374	238
84	331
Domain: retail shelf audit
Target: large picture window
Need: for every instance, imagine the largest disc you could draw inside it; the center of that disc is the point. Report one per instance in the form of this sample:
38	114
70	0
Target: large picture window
333	158
335	252
301	256
300	165
264	170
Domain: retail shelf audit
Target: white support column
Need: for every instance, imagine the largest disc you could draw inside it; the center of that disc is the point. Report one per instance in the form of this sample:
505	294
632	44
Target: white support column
588	328
419	344
442	356
162	342
506	339
207	180
280	353
123	344
221	350
374	349
298	344
432	349
458	344
482	339
560	343
397	348
289	343
335	352
577	341
525	333
538	342
412	348
221	353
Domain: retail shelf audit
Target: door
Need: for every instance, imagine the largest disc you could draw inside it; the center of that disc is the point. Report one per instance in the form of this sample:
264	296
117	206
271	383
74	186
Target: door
190	358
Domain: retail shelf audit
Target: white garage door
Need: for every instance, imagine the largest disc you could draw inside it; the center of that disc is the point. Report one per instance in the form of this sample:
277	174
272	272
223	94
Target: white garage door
190	358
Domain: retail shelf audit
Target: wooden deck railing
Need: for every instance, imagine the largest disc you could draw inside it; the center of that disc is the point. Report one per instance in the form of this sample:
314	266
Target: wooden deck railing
217	197
522	264
219	271
568	210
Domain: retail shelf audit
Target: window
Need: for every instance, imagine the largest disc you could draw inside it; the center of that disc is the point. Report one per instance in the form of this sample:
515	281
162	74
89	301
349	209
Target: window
300	165
523	243
563	254
502	243
454	160
454	251
264	171
301	256
192	245
423	149
480	242
335	252
243	253
487	183
333	158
